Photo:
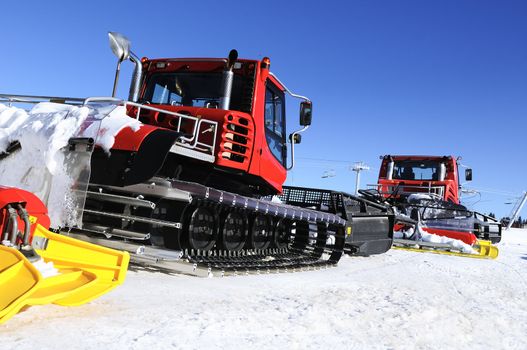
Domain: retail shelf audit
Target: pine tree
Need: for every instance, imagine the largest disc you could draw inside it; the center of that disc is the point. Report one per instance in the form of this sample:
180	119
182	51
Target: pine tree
518	222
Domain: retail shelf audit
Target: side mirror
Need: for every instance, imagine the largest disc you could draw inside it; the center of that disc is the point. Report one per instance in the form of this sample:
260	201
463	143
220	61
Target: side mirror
120	45
468	174
306	109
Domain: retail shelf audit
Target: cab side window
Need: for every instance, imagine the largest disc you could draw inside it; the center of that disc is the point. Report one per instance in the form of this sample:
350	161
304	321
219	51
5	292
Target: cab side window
275	122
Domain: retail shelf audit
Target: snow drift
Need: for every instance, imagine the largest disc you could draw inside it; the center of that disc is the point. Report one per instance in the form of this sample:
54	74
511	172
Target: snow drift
44	165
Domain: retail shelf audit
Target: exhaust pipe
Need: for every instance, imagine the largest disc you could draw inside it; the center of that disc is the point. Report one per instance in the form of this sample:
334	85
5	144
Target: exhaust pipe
389	172
442	172
228	76
135	85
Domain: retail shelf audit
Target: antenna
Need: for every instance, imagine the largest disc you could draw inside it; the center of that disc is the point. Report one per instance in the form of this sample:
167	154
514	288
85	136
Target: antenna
358	167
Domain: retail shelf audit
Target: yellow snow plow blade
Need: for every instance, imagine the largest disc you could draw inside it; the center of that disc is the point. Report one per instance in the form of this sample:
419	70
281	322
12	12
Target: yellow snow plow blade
108	265
484	249
18	279
84	272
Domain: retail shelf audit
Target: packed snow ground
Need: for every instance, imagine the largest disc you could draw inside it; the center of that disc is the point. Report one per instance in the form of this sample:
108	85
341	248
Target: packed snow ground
398	300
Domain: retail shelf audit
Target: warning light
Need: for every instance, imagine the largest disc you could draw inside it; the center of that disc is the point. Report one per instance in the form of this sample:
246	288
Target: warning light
266	62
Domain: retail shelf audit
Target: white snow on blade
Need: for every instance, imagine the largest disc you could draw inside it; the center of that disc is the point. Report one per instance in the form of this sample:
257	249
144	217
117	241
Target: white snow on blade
456	243
40	166
396	300
46	269
423	236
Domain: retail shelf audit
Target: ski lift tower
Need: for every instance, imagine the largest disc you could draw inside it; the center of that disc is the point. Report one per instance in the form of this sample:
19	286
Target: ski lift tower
517	209
358	167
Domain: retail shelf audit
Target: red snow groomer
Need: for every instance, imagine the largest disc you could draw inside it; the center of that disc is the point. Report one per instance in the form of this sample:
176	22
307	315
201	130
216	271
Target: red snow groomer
193	178
425	190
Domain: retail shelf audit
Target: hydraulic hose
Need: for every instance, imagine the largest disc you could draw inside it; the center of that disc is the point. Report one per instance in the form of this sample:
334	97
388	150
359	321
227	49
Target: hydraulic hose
27	225
5	231
13	220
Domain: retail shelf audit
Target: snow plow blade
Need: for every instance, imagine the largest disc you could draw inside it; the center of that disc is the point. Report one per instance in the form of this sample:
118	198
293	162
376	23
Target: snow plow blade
484	249
84	272
109	266
18	279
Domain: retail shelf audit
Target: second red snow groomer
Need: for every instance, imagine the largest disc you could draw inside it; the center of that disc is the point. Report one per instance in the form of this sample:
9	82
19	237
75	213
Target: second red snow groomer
428	188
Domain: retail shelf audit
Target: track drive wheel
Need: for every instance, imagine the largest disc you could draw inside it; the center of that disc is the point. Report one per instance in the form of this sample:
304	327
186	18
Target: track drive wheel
282	233
234	231
261	233
202	228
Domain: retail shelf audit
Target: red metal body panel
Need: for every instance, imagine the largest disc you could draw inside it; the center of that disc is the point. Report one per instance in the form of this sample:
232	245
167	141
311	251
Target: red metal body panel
226	140
130	140
34	206
153	120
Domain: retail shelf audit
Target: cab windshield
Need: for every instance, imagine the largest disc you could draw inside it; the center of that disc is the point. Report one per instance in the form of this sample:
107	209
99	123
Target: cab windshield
416	170
193	89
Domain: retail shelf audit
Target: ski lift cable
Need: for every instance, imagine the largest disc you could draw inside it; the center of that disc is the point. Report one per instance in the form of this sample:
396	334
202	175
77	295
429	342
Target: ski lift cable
493	191
327	165
326	160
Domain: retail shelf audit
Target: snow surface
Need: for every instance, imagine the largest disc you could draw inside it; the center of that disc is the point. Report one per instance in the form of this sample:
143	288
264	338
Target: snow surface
397	300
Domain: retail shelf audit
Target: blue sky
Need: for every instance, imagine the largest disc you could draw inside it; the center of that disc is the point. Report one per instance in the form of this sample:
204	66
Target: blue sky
386	77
